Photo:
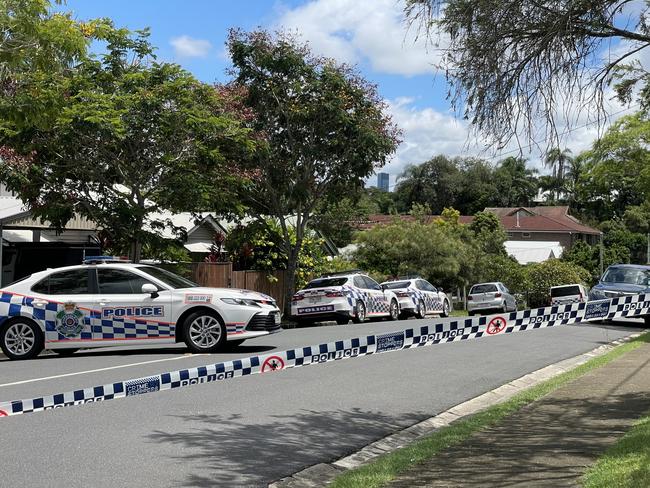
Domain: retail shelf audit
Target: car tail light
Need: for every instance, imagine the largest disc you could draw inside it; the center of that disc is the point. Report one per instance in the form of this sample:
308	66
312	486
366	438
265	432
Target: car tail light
333	294
402	294
497	295
297	297
470	298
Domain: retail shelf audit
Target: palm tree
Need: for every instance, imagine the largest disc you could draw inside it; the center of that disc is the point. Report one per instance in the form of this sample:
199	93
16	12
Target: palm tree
558	161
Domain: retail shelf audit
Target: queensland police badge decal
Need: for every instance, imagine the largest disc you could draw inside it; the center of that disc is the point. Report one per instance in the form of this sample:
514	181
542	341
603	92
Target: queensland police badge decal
69	320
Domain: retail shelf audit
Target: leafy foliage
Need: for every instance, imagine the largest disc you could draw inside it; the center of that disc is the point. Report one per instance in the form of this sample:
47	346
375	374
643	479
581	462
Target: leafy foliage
520	66
466	184
130	137
323	128
618	168
257	245
553	272
443	251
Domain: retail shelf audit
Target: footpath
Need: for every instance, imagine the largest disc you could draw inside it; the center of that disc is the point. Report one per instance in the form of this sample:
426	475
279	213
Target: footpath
551	442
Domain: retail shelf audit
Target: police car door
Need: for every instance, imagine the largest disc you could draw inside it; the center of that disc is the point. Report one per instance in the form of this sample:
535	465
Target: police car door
129	314
63	304
433	300
379	304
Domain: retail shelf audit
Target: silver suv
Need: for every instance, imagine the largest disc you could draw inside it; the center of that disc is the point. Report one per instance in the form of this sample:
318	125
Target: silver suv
490	297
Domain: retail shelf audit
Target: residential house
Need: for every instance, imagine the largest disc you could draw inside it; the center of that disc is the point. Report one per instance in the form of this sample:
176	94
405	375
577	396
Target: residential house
535	234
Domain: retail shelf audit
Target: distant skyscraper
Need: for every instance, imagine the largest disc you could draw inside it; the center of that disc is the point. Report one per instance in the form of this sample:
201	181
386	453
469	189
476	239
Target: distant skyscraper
382	181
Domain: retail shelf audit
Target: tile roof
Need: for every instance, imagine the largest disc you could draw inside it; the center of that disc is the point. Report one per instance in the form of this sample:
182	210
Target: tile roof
542	219
538	219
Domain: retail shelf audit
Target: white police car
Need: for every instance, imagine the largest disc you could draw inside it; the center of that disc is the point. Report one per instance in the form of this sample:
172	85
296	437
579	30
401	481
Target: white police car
343	296
108	303
418	297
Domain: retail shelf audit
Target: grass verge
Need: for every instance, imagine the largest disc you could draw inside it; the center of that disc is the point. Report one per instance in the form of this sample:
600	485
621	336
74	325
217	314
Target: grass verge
458	313
389	466
626	463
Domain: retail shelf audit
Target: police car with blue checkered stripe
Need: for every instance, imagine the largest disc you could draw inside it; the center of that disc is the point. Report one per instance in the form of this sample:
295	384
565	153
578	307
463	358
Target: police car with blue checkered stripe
107	302
345	296
417	297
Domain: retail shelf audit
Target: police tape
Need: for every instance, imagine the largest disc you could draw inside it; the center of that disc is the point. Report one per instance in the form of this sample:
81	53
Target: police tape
426	335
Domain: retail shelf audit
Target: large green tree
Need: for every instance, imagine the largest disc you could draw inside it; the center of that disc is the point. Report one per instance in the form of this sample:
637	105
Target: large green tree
434	182
323	128
37	45
618	168
520	65
402	248
130	137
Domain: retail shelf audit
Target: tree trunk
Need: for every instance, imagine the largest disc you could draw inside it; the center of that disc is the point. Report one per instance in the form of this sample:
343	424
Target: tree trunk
290	278
136	250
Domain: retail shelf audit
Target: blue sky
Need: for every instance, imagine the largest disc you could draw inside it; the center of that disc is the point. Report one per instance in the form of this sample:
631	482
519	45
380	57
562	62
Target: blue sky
368	33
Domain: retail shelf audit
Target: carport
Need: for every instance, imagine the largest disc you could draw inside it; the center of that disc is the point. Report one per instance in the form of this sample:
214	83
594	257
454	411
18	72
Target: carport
30	245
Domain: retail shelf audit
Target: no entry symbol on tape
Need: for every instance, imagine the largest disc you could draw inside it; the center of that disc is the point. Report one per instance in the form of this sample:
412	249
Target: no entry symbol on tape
496	325
272	363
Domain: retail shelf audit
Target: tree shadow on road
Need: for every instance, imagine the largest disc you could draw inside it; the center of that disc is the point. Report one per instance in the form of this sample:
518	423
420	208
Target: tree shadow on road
229	452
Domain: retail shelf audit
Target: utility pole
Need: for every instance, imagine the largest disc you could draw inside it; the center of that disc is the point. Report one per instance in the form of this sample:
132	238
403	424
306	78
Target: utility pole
601	254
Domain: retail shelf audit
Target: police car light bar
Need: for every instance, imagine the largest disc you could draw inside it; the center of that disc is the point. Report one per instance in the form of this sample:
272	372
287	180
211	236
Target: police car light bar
105	259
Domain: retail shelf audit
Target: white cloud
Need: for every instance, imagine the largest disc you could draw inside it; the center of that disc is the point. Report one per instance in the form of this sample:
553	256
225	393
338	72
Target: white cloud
355	31
352	30
428	132
188	47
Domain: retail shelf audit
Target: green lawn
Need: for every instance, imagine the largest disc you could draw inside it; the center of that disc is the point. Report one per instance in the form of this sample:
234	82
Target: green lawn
389	466
627	463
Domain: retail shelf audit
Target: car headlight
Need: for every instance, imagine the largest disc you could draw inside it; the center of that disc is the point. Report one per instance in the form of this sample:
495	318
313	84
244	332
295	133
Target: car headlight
597	293
244	302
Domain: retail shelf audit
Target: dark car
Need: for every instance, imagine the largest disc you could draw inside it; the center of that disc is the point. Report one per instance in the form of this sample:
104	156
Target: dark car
620	280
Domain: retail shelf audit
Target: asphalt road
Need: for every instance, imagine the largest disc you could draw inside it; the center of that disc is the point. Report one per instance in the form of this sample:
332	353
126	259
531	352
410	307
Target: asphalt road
253	430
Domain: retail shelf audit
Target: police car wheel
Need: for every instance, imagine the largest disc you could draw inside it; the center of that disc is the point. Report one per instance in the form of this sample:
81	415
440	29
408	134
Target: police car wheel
21	338
359	312
65	352
421	310
445	309
204	332
646	320
394	310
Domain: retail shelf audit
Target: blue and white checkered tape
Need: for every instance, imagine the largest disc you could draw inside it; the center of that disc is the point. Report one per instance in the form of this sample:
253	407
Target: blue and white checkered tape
455	330
92	326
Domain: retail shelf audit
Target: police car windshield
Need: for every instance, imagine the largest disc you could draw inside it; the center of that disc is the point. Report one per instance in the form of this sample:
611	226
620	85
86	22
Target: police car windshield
168	277
323	282
394	285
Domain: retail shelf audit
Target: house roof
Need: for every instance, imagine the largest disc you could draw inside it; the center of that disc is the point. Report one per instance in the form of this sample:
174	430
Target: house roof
541	219
534	219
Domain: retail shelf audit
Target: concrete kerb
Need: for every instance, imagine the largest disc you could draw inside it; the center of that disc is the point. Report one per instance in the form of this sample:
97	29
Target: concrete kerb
325	472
